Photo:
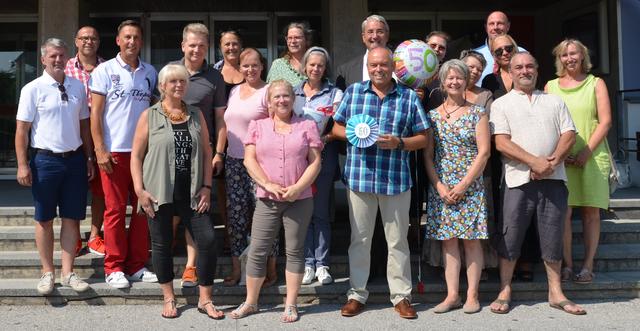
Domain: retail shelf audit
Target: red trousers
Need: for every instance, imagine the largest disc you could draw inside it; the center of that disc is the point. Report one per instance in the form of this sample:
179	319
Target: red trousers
126	251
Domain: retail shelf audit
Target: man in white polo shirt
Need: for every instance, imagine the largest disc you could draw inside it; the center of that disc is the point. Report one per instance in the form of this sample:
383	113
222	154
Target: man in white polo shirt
121	89
53	109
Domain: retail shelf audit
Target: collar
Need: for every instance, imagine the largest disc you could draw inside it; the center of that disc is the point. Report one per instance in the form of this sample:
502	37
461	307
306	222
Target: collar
203	68
326	87
51	81
78	64
368	87
126	66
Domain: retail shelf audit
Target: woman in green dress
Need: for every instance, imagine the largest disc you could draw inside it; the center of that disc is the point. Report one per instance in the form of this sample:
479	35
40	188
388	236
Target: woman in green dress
289	66
588	164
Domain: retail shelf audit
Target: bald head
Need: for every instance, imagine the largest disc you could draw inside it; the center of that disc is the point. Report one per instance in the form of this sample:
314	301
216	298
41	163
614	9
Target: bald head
87	41
497	24
380	66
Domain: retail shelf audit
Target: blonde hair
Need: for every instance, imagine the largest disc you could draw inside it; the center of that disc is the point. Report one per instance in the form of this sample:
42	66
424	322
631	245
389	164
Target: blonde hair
562	47
172	71
508	37
195	28
277	83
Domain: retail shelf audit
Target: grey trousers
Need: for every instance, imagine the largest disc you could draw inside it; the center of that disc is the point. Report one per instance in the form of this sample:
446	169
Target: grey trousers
267	218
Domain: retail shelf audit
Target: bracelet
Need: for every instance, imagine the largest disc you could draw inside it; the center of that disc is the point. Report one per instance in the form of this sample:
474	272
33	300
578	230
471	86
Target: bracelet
223	155
207	186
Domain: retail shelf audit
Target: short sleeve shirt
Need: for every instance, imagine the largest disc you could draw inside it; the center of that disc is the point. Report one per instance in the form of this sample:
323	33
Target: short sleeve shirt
75	69
318	107
535	125
283	157
206	91
239	113
127	94
55	123
399	113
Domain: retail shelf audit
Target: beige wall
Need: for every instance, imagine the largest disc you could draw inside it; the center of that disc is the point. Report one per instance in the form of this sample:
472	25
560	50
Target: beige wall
58	18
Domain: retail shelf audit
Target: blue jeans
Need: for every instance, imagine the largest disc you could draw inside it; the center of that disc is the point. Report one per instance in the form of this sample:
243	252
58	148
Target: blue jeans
318	241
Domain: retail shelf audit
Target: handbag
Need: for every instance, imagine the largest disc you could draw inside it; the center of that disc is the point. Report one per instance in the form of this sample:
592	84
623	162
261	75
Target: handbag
619	173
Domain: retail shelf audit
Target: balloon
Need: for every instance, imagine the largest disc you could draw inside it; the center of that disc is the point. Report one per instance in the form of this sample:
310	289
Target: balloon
415	62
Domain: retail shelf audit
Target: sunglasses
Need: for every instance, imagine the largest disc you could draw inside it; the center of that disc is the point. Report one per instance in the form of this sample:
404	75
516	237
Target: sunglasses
499	51
63	93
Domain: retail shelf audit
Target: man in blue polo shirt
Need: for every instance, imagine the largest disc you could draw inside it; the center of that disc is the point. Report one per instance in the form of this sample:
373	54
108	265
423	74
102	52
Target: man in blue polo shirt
378	176
121	89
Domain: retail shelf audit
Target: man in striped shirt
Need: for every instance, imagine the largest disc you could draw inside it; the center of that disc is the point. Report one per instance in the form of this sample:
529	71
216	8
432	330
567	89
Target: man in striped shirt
379	176
80	67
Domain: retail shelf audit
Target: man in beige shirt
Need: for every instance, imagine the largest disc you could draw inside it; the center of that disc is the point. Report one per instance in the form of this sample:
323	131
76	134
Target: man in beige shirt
534	132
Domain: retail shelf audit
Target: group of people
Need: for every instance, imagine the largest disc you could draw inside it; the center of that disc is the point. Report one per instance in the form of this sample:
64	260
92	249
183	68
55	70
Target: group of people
503	161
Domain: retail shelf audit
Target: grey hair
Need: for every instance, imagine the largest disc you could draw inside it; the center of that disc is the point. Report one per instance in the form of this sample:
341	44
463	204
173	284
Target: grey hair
520	53
53	42
474	54
455	65
317	50
375	18
172	71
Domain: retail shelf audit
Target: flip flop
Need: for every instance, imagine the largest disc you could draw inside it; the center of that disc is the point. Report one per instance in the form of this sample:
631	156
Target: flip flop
202	309
562	304
501	303
584	277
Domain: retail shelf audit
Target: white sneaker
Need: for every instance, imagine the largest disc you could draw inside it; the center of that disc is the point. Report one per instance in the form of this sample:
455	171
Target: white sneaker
72	280
143	275
324	277
45	285
309	276
117	280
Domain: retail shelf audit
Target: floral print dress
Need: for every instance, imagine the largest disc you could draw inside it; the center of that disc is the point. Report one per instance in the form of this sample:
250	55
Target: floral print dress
454	151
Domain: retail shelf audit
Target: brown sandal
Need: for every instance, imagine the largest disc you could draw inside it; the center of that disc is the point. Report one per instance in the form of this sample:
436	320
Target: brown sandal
584	277
173	308
566	274
203	309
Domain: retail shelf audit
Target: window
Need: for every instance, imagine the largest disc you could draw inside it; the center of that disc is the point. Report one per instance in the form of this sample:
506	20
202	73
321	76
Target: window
18	66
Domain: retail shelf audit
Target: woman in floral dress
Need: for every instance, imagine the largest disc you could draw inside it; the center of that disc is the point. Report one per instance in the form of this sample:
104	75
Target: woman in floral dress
457	207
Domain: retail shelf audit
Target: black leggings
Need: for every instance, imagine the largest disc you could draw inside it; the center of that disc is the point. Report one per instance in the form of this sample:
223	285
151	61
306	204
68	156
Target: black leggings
201	228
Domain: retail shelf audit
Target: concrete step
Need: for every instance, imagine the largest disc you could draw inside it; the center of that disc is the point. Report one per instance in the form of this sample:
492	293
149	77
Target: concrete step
26	264
624	284
612	231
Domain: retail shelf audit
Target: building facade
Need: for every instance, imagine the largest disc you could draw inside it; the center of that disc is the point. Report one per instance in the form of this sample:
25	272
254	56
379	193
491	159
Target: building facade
606	26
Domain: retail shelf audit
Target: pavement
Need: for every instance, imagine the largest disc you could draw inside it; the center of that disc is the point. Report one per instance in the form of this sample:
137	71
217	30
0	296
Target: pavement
609	315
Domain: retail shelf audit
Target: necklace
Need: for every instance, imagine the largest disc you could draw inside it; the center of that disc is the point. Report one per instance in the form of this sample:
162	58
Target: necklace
448	113
180	117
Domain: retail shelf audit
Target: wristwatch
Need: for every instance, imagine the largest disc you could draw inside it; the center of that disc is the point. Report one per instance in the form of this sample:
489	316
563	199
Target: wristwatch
223	155
400	144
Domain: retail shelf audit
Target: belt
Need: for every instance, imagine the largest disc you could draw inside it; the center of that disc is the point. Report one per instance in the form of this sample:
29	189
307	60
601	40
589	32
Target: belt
62	155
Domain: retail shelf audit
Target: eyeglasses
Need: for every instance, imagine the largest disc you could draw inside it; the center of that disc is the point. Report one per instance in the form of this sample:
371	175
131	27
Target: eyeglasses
63	93
437	47
499	51
87	39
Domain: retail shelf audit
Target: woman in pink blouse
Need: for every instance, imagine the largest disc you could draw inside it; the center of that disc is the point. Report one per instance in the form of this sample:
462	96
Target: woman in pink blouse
282	155
247	102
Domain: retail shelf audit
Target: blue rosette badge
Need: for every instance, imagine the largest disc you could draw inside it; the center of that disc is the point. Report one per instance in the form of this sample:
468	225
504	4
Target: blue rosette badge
362	130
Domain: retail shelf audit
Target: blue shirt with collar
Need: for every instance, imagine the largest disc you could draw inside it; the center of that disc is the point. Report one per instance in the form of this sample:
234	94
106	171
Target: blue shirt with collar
399	113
